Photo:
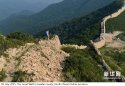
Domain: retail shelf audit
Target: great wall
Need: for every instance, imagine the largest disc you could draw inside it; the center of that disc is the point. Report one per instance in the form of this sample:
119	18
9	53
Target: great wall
36	58
104	37
107	37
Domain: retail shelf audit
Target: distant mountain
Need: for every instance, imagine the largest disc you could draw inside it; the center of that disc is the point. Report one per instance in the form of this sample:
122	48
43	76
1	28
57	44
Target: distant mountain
25	12
51	16
8	7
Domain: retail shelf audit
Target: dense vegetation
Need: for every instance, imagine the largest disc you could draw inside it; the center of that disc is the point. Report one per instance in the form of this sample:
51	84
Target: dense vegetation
81	66
51	16
84	29
20	36
14	40
114	58
116	24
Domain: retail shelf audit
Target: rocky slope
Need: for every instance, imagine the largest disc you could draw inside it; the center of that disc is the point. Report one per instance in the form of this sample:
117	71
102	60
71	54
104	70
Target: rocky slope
42	62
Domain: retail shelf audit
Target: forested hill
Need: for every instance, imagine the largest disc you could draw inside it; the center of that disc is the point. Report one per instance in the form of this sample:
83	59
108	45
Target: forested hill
52	15
84	29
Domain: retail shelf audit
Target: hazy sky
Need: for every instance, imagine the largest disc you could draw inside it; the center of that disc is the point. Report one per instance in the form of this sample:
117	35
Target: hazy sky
8	7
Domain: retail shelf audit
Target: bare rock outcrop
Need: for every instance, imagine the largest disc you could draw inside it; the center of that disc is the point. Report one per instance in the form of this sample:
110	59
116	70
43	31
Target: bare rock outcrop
44	60
9	60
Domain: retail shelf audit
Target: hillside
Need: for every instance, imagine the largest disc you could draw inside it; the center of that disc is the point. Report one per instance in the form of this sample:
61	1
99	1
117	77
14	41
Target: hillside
52	15
84	29
50	61
46	61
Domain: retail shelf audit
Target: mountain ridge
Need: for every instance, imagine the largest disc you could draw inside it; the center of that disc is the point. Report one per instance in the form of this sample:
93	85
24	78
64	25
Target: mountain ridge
51	15
8	7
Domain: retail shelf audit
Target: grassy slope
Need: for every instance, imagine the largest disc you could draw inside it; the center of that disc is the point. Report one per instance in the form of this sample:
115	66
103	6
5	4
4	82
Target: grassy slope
81	66
114	59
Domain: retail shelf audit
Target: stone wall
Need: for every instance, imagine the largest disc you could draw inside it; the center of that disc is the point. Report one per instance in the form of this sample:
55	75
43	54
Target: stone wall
107	37
74	46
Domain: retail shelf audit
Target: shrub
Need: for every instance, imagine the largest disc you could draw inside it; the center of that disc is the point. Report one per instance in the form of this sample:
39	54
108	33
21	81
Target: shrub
21	76
20	36
2	75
